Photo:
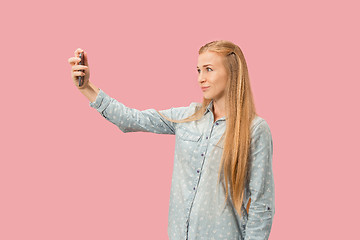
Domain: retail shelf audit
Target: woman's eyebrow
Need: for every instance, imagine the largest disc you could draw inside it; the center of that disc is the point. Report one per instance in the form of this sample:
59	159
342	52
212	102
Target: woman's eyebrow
204	65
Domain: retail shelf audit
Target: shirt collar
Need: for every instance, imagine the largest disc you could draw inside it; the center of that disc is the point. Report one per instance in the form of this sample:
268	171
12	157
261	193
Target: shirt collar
209	108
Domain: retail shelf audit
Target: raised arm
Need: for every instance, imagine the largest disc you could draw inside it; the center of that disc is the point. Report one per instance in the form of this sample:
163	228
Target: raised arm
127	119
133	120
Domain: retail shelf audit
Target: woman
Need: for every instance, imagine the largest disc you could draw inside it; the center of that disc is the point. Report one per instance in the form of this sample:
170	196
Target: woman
221	140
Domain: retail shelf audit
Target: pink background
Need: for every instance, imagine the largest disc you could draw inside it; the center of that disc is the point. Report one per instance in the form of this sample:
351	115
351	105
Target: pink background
67	173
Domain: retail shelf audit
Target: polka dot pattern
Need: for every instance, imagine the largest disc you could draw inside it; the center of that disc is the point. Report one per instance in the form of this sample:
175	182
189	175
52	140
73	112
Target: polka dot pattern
197	207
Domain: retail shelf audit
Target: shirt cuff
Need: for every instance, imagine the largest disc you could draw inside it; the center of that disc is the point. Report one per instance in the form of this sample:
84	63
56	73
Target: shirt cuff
99	98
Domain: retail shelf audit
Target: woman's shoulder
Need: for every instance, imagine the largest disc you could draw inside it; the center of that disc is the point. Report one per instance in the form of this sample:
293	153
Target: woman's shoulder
194	106
259	124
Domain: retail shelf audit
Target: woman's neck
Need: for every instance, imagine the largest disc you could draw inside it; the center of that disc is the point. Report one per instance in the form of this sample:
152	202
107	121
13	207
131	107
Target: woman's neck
218	109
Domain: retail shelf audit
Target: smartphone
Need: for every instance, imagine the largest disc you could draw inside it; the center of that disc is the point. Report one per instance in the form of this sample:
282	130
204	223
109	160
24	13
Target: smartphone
82	62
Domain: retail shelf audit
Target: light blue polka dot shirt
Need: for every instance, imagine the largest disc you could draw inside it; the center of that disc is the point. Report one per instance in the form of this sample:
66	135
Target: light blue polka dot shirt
196	208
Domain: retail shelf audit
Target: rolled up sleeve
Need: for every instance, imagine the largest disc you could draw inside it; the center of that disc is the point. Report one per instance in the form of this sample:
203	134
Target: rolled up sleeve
261	184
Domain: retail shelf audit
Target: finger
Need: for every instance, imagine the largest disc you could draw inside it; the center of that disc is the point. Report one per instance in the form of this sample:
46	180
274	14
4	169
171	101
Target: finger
79	67
73	60
77	52
79	74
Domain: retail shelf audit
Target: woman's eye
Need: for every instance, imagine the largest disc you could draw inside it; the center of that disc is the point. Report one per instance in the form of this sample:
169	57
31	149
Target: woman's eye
206	68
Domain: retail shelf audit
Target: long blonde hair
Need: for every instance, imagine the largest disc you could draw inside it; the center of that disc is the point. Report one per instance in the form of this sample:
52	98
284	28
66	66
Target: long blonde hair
240	111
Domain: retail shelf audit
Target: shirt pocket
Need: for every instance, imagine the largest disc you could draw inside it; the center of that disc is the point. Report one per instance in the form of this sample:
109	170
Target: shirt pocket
218	146
185	134
188	142
217	141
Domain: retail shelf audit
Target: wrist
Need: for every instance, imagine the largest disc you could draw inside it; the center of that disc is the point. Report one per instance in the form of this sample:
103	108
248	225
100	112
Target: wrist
90	91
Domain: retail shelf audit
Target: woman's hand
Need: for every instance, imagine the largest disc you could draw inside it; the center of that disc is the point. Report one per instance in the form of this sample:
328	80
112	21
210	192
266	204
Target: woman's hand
76	69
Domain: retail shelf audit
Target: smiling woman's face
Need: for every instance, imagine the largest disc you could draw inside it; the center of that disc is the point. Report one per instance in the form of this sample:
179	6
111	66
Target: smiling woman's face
212	74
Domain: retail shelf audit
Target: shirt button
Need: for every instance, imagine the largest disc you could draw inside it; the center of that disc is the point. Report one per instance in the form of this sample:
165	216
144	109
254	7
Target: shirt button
206	137
198	171
202	154
217	123
194	188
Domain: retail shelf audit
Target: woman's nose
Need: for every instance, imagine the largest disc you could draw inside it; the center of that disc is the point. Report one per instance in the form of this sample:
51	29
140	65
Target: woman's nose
201	79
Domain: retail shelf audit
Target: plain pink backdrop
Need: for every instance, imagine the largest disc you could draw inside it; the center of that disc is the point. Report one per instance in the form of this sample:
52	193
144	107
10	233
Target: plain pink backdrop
67	173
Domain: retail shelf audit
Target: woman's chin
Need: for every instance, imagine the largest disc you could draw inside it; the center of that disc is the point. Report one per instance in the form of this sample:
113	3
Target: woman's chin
206	96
